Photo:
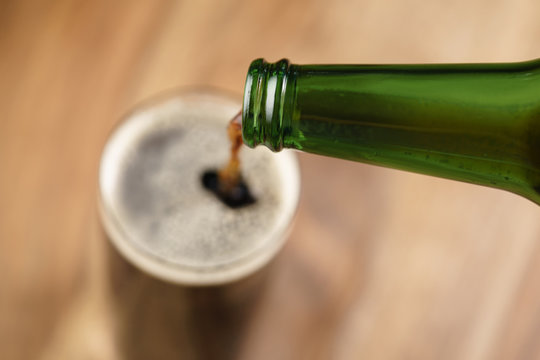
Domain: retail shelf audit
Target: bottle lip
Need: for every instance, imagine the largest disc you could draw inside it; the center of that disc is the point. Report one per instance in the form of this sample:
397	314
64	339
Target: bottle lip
251	103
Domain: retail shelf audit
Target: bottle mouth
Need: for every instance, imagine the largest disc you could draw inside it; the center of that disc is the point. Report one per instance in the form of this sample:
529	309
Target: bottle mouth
263	112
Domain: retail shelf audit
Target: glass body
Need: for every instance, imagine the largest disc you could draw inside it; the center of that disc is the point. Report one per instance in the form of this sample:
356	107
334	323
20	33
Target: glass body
478	123
158	214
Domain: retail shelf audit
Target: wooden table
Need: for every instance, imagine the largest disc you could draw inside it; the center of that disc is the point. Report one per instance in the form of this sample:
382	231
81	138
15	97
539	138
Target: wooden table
381	264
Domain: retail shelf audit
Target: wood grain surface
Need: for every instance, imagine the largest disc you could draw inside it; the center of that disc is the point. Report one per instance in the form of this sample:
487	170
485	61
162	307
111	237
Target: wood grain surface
381	264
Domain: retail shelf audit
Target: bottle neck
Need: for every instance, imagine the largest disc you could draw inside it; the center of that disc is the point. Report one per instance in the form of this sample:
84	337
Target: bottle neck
279	98
268	103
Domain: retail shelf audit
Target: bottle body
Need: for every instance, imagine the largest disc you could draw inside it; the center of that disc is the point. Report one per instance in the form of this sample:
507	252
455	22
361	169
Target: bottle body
478	123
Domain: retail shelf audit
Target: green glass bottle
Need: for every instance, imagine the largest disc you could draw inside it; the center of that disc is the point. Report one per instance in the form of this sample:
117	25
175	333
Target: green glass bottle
478	123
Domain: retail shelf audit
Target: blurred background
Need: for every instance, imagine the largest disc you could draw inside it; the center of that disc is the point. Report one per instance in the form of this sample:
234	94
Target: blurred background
381	264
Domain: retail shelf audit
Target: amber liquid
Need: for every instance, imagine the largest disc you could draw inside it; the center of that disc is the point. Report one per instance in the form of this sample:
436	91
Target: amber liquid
229	176
227	183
